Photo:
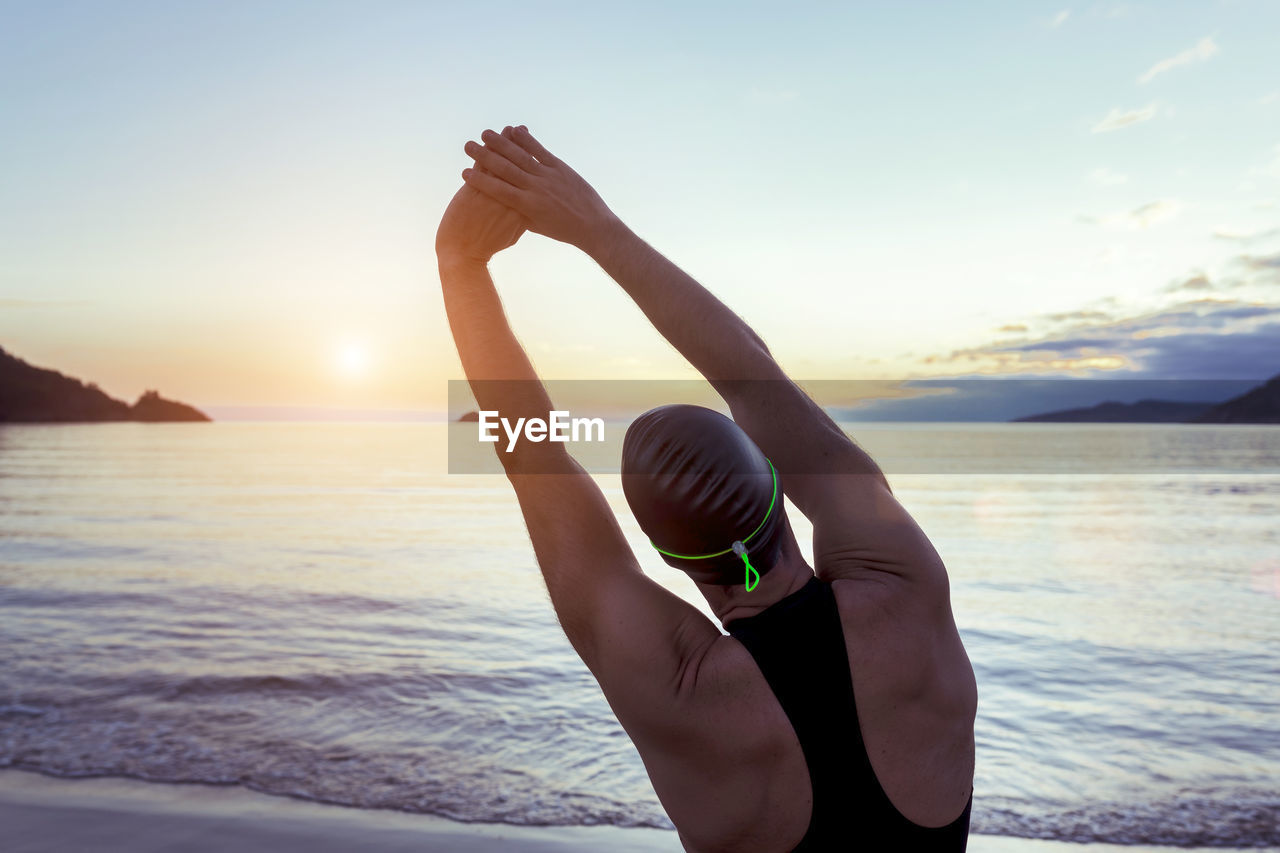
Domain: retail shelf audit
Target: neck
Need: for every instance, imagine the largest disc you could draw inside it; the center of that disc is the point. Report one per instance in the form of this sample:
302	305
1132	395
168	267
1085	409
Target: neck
789	574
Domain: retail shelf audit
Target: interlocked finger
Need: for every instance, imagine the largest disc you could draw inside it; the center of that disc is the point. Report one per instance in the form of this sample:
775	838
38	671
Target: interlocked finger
494	164
495	188
525	140
514	154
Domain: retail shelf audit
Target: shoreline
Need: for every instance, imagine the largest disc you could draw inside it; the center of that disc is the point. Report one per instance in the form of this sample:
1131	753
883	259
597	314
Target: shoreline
47	813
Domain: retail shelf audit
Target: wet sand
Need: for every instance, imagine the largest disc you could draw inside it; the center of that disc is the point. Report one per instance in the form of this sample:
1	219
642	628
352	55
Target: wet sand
41	814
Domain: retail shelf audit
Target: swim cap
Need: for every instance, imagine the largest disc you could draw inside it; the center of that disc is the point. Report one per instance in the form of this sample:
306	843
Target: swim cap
698	485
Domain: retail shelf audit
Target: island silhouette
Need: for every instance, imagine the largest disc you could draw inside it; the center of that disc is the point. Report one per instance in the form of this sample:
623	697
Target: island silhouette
1260	405
30	394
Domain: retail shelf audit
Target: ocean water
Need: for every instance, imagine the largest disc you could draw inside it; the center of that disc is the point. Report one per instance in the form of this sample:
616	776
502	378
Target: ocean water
320	611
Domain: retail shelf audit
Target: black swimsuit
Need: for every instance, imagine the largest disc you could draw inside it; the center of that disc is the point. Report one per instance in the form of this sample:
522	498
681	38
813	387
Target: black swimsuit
798	643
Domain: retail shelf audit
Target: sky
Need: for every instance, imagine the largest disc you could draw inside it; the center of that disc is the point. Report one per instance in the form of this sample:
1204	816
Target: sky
236	202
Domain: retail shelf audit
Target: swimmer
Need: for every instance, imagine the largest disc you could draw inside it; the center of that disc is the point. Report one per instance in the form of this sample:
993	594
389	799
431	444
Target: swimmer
837	714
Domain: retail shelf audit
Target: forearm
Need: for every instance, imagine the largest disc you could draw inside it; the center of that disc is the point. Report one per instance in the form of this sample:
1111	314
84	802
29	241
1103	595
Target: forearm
496	365
715	340
780	417
515	170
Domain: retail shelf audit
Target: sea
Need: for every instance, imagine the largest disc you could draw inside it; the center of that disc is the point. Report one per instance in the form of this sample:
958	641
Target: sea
323	611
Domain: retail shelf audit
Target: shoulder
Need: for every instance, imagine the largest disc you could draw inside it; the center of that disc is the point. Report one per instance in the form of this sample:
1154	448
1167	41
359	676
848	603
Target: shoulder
722	704
863	532
727	765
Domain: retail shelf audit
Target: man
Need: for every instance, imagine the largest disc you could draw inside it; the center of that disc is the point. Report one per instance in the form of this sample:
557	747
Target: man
753	741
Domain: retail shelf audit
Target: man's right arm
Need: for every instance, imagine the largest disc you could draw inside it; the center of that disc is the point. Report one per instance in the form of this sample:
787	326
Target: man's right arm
832	480
780	417
859	527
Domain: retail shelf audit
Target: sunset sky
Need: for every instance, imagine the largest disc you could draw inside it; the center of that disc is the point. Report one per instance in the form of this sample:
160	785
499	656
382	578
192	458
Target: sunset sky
236	202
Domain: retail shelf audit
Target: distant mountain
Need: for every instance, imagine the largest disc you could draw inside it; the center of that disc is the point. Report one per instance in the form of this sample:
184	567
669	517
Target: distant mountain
35	395
1141	412
1259	406
153	408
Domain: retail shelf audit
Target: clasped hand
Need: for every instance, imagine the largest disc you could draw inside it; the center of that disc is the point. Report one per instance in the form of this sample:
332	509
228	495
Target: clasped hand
517	184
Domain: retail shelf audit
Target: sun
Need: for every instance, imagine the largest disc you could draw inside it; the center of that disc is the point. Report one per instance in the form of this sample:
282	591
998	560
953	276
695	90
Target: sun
352	359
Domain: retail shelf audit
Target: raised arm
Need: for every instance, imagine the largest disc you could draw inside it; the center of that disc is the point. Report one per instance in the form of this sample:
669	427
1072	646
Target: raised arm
641	642
804	443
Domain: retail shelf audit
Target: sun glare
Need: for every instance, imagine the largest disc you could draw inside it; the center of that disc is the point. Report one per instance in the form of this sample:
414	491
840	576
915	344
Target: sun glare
352	359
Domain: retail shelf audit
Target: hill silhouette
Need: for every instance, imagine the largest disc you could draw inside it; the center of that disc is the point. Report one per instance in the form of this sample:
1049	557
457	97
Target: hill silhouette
1259	405
30	394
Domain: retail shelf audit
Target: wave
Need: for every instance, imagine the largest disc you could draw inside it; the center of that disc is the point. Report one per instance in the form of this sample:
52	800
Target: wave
1228	820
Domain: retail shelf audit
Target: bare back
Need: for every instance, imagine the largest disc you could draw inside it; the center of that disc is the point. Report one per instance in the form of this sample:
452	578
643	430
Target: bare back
738	779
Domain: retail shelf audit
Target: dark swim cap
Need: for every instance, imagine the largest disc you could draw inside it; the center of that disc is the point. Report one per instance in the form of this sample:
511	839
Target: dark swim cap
698	485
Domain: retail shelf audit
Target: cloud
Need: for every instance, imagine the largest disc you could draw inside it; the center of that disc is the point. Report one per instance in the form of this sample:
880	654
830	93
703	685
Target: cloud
1196	281
1269	98
1261	263
1119	118
1060	18
1206	336
1204	49
1243	235
1104	177
1012	328
1201	339
1140	218
1082	314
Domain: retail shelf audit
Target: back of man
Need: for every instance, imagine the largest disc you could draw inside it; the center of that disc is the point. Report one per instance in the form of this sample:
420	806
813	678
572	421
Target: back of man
735	777
715	718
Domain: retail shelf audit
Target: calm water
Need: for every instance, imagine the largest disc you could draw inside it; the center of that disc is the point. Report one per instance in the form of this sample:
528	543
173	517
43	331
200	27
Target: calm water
321	611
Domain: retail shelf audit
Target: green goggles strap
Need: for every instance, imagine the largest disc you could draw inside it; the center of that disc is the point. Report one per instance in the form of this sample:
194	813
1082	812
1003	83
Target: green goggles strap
741	551
737	547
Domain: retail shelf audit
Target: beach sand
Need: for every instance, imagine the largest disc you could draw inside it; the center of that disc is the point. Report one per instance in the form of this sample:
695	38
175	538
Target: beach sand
41	814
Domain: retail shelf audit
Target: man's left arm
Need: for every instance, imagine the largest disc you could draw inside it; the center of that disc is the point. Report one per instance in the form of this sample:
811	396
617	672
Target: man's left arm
642	642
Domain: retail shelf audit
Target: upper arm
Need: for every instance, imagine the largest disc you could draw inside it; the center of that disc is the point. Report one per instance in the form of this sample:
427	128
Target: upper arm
858	524
806	446
860	529
641	642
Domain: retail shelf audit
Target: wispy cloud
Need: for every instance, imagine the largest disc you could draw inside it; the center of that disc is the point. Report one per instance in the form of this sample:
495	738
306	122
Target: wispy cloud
1119	118
1060	18
1194	282
1244	235
1262	263
1201	338
1209	335
1140	218
1078	315
1104	177
1012	328
1204	49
